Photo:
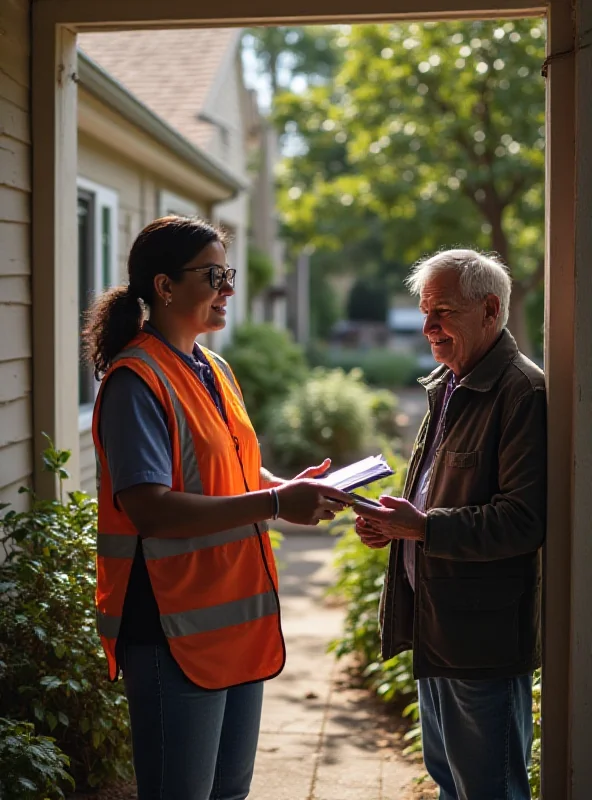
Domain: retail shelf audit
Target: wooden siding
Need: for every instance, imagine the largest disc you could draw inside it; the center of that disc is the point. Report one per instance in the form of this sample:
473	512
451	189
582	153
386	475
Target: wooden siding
16	426
138	190
137	205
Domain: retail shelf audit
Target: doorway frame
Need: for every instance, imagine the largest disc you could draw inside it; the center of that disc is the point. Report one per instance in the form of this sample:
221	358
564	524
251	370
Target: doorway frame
567	689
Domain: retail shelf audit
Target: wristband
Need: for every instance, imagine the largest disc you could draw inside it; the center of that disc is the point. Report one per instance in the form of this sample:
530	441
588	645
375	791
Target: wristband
275	503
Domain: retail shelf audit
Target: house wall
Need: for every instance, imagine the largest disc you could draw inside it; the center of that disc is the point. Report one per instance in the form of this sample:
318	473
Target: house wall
141	198
16	427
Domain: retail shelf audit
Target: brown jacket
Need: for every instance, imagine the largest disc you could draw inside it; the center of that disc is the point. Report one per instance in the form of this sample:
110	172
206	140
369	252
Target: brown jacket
476	609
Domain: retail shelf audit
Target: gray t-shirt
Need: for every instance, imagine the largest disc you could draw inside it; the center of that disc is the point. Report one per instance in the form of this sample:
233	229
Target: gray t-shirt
134	433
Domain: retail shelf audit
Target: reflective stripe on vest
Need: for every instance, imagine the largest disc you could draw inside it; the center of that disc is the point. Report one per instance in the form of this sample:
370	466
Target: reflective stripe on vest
163	548
202	620
191	478
115	545
228	372
108	626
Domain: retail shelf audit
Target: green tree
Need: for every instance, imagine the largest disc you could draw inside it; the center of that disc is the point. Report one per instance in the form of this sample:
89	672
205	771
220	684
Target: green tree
283	53
431	135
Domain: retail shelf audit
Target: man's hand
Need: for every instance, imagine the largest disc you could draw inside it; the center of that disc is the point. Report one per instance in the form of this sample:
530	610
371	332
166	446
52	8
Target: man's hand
397	520
371	539
314	472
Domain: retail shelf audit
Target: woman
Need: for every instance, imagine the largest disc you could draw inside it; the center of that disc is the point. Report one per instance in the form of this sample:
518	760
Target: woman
187	600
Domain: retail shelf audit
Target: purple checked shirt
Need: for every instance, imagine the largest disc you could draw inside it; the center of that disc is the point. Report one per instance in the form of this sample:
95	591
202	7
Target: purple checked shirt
419	493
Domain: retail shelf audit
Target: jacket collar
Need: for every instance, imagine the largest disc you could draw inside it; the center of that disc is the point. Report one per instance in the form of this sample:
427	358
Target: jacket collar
486	372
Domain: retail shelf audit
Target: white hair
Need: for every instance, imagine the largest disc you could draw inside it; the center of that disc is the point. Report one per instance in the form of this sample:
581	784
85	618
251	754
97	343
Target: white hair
479	275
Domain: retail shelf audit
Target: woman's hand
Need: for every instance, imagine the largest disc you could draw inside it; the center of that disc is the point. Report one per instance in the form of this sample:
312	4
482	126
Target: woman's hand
399	519
307	502
269	481
314	472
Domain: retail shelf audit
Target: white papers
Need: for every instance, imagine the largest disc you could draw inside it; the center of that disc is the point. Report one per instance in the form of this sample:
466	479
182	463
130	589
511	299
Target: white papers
359	474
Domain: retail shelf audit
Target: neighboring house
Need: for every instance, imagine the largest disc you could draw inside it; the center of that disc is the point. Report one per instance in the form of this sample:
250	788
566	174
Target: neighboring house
192	80
182	90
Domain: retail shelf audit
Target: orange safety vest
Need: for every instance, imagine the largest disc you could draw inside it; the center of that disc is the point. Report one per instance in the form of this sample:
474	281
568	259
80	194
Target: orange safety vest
216	594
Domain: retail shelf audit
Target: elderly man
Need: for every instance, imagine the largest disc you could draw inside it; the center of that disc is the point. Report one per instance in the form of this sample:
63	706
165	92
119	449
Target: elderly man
463	583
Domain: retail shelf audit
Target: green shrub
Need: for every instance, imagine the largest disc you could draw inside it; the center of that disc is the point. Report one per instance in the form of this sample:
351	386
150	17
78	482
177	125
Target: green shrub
380	365
31	767
267	363
535	766
328	415
383	407
360	578
52	667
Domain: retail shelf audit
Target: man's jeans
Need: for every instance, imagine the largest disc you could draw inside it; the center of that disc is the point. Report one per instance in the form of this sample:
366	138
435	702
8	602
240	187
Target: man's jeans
189	743
477	736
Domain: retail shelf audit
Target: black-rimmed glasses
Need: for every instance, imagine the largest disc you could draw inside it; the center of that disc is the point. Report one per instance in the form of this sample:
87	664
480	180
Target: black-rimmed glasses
218	275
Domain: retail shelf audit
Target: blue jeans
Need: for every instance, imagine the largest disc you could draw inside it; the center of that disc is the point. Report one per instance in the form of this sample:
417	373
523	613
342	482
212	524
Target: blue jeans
477	736
188	743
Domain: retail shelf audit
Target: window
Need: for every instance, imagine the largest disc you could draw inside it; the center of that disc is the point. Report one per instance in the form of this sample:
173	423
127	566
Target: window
97	268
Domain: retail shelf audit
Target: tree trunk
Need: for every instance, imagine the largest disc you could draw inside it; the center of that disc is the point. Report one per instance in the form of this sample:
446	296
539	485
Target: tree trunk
517	321
274	73
494	215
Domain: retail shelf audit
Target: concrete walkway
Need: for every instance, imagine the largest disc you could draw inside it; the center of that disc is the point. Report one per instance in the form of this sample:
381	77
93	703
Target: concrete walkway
321	740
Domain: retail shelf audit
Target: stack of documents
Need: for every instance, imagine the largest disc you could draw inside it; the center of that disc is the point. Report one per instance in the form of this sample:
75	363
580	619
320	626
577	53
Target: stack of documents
359	474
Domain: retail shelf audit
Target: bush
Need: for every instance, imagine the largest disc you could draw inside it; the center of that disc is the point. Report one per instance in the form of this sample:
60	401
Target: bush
535	767
52	666
267	363
383	406
330	414
380	366
31	766
360	578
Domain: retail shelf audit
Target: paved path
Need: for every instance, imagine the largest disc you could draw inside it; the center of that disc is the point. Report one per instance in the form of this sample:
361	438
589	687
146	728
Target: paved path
319	739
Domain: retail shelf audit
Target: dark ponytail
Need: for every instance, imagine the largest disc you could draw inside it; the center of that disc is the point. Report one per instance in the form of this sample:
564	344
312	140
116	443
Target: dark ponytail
114	319
165	246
